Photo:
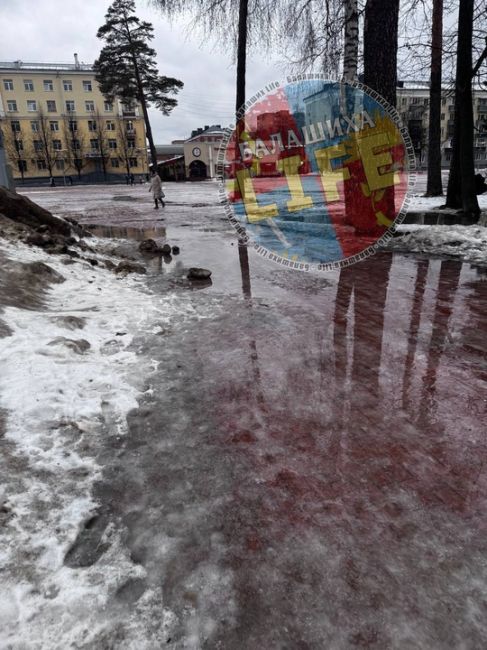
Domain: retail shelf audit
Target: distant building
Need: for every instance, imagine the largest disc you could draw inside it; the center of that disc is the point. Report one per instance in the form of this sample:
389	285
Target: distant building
191	159
201	152
413	107
55	121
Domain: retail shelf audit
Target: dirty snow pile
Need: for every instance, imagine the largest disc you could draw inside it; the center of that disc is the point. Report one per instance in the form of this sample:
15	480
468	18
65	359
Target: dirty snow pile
466	242
70	373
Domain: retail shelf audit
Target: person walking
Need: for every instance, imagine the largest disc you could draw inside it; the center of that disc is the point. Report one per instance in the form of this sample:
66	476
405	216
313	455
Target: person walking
156	189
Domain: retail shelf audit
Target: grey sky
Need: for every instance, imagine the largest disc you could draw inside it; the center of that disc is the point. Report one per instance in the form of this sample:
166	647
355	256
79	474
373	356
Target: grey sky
52	30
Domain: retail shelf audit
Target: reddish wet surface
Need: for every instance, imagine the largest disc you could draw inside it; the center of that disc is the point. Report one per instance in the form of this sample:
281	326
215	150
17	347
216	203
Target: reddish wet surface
309	469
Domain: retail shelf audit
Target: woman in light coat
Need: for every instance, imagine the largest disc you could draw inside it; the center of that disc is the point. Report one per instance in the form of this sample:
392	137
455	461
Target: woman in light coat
156	189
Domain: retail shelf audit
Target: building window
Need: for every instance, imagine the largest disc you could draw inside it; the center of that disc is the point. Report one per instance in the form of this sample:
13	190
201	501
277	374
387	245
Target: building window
112	144
108	107
90	107
12	106
34	126
15	126
73	125
47	83
70	106
78	163
443	101
19	145
8	84
31	105
87	86
68	85
41	164
415	100
51	106
76	144
114	162
130	126
110	125
442	116
22	164
60	165
54	126
38	146
28	85
94	144
131	143
91	125
57	145
132	162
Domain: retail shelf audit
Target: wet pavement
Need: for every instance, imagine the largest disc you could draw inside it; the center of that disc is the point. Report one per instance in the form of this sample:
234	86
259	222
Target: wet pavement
307	467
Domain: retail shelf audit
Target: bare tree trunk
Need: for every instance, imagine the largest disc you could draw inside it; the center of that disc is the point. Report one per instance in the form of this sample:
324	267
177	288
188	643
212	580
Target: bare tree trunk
380	47
350	57
461	183
241	55
243	254
434	185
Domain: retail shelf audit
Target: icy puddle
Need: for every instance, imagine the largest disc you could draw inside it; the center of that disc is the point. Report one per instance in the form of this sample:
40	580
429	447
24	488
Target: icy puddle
298	462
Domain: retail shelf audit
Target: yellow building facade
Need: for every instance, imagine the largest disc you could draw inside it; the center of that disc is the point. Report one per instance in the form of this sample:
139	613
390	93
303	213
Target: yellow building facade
56	124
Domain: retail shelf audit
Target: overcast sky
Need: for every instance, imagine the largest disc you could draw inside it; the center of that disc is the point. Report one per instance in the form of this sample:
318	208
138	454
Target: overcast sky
52	30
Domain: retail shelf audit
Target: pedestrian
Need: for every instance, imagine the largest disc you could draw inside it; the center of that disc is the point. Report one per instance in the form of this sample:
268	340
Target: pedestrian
132	179
156	189
127	179
51	182
70	180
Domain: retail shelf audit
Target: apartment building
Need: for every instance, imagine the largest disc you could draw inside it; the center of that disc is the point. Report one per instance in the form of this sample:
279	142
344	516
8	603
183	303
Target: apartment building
56	124
413	106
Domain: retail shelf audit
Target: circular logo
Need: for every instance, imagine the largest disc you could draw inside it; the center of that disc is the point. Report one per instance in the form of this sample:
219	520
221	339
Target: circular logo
196	152
316	173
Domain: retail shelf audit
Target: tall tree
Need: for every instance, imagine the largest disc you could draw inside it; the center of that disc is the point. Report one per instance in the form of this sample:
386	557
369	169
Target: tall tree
351	40
16	148
43	142
126	67
125	150
103	146
461	192
76	149
380	47
434	185
243	253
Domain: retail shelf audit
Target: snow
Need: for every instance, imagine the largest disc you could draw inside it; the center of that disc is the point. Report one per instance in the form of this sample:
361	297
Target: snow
58	404
468	243
420	203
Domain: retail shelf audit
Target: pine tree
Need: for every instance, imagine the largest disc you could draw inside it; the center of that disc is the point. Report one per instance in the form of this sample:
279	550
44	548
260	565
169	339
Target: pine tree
126	67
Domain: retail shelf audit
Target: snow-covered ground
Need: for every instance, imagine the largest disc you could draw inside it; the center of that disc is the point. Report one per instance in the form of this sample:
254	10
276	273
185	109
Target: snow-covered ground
468	243
69	377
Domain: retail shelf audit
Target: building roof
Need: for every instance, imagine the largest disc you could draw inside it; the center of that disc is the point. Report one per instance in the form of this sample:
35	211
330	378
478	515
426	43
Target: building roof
166	149
170	160
214	129
41	67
